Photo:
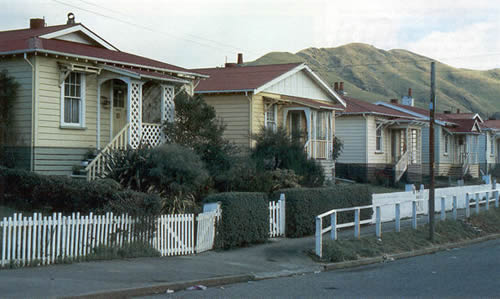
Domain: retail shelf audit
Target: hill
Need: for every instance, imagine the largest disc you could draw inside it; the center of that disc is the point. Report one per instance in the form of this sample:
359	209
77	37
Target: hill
373	74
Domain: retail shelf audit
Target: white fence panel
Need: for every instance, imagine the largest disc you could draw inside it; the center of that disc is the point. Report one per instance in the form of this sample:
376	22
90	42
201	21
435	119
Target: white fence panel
175	234
277	218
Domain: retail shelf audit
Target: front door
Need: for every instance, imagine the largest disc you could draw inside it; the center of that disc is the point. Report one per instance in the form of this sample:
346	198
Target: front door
119	107
296	125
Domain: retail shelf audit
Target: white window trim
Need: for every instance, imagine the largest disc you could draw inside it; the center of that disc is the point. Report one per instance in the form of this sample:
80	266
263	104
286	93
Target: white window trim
446	146
275	112
83	85
381	150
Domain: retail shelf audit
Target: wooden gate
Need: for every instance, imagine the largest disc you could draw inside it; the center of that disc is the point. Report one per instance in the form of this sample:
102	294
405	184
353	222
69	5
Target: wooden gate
206	226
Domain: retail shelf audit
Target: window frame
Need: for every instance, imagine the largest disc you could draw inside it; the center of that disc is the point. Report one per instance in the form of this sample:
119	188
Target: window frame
81	123
492	145
274	111
379	149
446	143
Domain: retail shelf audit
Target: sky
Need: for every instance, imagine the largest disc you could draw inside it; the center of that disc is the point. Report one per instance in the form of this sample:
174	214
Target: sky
206	33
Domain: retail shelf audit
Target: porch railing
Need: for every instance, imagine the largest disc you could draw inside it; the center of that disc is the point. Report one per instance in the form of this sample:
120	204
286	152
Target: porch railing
401	166
469	158
319	149
99	165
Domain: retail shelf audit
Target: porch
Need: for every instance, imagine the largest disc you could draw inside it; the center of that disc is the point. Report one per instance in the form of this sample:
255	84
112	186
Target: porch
131	107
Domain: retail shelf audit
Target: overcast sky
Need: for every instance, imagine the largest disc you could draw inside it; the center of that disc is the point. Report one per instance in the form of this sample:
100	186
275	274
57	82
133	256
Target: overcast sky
202	33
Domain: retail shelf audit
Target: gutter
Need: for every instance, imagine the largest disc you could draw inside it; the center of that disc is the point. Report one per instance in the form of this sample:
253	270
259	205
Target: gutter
246	91
33	113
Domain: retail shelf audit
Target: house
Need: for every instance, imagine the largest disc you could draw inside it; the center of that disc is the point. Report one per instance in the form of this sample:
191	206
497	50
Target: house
379	142
490	145
79	93
249	98
457	136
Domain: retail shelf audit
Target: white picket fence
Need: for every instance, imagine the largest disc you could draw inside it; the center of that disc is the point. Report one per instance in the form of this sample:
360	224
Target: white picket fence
277	217
42	240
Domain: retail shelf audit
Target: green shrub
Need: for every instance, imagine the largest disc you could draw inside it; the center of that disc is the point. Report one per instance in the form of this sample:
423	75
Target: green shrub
244	221
304	204
276	150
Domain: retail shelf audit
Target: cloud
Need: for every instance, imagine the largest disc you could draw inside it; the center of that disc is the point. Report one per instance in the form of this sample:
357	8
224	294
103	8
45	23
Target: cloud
473	46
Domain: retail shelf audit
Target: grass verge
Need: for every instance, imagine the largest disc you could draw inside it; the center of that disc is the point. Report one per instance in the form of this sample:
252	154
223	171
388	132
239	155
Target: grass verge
449	231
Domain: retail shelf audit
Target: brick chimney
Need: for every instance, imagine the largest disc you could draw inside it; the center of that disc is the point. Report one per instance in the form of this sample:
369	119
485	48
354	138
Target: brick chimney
458	111
336	86
394	101
240	58
341	87
71	18
37	23
409	92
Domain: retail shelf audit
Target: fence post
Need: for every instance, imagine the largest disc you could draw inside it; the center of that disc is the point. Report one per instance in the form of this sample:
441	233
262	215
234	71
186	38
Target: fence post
333	219
4	237
398	217
356	224
378	227
443	208
454	207
487	201
414	215
496	198
467	205
477	203
319	237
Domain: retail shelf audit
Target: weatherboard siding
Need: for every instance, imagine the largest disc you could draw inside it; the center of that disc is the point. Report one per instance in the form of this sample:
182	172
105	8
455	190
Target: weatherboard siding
57	161
374	157
352	131
49	132
234	111
21	125
299	85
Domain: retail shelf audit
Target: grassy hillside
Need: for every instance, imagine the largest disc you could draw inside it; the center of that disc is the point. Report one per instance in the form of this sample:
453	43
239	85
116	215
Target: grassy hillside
373	74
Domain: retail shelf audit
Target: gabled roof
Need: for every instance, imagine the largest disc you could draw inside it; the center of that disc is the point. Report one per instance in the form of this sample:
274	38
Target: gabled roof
45	40
255	78
355	106
492	124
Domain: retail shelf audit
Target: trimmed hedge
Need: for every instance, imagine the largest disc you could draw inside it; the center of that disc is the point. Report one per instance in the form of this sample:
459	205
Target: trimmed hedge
304	204
28	191
245	218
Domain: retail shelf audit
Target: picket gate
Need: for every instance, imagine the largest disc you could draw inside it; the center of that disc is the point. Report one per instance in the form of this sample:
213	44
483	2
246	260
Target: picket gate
277	218
206	230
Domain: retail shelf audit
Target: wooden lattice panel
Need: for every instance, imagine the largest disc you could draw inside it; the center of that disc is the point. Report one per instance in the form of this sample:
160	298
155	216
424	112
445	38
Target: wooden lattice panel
135	111
151	134
168	112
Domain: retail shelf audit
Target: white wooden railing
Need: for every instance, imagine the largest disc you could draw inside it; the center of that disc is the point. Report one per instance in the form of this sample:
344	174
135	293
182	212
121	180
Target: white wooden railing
277	217
401	166
319	149
99	166
474	198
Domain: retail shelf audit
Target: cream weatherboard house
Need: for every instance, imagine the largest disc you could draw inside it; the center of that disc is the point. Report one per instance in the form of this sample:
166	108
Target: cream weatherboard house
490	145
249	98
79	93
379	142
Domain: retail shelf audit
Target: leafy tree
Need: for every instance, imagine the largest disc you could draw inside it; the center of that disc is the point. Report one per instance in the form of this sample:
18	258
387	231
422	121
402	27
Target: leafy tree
276	150
338	148
8	94
197	127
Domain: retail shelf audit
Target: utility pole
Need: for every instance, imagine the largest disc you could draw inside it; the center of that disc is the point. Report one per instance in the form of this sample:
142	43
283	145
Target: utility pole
432	110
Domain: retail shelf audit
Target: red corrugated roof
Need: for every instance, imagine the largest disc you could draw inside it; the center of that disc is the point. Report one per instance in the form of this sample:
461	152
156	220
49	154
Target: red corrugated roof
312	103
492	124
462	126
238	78
28	39
359	106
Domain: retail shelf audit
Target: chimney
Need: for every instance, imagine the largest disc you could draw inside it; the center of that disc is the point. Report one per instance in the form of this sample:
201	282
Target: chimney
71	19
336	86
409	92
37	23
458	111
341	87
240	58
230	64
394	101
447	112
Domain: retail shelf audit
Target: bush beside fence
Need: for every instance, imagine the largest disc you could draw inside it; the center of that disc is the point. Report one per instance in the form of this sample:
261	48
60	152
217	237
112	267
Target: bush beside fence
245	218
304	204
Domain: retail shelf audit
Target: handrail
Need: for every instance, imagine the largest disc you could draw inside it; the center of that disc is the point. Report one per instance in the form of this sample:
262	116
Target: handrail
401	166
98	164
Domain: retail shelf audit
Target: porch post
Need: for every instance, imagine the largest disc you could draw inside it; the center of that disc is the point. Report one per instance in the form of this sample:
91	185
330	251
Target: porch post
309	129
134	116
98	141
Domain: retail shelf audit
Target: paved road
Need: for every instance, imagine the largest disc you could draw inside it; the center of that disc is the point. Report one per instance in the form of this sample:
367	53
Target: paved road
471	272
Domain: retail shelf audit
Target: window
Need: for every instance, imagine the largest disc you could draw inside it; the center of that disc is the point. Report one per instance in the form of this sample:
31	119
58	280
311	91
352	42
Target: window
379	139
446	142
321	125
492	145
271	113
73	97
